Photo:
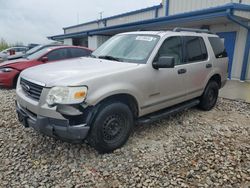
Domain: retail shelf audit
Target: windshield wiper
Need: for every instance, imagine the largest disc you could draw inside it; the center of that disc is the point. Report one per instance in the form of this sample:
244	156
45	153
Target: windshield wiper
108	57
91	55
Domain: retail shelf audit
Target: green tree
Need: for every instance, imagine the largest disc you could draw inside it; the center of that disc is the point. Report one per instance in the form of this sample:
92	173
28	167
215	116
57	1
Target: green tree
3	44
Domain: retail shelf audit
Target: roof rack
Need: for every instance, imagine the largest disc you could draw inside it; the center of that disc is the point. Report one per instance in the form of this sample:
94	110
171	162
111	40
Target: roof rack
179	29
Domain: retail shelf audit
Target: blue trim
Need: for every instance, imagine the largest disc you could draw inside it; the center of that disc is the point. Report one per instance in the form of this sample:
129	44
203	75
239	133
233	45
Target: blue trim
167	8
220	11
246	58
118	16
230	41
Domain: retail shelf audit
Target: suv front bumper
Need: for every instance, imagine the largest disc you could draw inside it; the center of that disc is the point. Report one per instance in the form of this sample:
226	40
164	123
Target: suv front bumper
56	128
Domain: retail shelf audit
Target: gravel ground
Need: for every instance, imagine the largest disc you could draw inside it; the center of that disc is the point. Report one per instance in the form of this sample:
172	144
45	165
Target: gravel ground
190	149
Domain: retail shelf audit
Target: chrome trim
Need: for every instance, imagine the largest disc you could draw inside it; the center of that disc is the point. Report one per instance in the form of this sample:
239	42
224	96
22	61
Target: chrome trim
35	82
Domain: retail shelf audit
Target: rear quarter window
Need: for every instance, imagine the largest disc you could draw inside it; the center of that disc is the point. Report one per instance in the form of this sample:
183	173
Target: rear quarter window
218	47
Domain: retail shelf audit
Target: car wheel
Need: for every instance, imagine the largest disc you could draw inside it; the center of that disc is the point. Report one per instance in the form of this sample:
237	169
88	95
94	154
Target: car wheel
209	98
14	83
111	127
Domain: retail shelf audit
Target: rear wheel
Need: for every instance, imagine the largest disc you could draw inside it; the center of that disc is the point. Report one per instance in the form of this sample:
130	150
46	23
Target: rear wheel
111	127
209	98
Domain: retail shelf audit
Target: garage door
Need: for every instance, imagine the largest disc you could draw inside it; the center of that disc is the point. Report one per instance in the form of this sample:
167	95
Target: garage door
229	41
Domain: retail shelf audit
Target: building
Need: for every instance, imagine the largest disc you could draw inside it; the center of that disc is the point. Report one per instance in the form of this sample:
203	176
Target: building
230	19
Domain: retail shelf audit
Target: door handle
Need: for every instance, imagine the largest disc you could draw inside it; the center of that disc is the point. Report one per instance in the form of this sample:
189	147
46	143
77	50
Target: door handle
182	71
209	65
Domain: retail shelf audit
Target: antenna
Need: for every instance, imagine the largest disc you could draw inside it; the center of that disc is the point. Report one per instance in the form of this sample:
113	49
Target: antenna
101	14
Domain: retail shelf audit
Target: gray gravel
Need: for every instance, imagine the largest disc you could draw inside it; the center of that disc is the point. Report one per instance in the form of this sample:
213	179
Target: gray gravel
190	149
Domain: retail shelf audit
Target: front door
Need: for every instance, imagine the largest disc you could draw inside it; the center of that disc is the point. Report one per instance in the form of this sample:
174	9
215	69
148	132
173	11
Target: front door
169	82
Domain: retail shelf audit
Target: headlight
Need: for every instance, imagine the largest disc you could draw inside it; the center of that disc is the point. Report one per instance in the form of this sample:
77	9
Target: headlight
66	95
6	69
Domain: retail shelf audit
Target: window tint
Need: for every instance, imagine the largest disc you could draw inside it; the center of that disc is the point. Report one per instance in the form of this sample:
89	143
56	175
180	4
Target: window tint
195	49
77	52
218	47
20	49
171	47
58	54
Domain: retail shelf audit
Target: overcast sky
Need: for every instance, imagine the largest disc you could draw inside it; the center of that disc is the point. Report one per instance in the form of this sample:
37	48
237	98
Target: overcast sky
31	21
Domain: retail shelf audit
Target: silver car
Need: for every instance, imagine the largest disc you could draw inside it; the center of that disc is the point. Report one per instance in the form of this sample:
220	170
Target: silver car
135	77
12	53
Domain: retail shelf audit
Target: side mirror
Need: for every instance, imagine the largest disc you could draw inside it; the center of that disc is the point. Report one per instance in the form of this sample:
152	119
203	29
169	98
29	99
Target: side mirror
44	59
164	62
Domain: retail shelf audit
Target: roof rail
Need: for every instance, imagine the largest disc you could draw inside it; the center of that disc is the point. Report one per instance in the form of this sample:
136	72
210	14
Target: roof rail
179	29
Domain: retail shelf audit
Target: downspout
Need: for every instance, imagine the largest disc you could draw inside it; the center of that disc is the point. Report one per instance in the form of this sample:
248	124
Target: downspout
167	8
247	47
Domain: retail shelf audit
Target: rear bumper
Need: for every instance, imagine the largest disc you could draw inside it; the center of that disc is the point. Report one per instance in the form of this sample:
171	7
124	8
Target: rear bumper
56	128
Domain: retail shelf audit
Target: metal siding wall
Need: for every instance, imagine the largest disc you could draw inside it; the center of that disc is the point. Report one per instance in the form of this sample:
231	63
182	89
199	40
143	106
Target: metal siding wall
132	18
68	41
239	45
180	6
161	12
81	28
246	1
243	14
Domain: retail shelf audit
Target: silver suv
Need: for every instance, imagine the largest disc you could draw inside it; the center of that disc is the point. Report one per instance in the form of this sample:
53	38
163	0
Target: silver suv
135	77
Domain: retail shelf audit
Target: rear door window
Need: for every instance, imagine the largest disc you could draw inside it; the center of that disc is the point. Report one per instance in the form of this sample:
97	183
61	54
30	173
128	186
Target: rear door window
218	47
58	54
78	52
195	49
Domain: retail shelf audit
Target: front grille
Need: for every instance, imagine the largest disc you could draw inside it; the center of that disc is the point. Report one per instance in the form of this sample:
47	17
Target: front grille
31	89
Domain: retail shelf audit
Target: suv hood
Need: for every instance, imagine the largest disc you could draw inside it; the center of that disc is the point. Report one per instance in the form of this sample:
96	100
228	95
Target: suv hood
74	72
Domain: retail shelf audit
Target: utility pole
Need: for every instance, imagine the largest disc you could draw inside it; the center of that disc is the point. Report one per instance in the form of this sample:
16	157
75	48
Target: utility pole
101	14
77	17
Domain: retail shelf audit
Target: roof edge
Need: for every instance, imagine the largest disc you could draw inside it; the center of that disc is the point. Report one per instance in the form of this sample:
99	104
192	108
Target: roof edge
117	16
172	17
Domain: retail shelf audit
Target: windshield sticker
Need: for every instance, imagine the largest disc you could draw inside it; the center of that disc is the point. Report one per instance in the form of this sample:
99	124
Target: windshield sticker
145	38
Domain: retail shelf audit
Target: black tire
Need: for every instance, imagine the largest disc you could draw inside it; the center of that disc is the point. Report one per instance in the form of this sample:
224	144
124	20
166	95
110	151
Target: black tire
14	84
209	98
111	127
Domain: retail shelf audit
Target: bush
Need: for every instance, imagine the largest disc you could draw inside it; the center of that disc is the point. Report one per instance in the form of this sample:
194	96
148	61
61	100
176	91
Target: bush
3	44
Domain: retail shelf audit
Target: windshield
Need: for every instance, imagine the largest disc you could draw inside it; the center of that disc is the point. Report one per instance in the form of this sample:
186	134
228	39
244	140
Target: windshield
37	54
33	50
132	48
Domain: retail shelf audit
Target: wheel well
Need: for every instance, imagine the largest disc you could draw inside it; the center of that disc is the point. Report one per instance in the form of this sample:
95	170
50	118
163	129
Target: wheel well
15	81
216	78
126	99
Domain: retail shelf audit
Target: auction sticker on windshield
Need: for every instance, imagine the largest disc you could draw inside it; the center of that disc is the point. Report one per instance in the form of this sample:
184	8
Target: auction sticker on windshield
145	38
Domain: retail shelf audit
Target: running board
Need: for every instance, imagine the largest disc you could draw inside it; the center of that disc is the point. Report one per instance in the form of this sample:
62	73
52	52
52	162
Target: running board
167	112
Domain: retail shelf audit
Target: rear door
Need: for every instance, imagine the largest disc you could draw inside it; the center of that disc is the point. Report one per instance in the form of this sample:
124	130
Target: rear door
197	65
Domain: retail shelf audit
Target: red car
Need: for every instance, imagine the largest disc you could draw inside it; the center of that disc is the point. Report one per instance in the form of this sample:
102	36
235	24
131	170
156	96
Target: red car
10	70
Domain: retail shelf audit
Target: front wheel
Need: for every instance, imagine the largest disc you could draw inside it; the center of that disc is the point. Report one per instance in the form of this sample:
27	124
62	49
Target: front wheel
209	98
111	127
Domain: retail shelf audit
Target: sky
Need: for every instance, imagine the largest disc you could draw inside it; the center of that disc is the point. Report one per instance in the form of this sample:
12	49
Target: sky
31	21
